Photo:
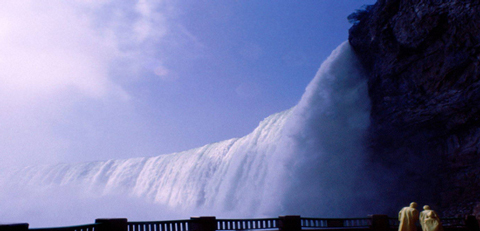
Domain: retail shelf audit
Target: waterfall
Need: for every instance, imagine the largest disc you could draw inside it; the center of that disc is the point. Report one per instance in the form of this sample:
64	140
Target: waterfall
307	160
324	141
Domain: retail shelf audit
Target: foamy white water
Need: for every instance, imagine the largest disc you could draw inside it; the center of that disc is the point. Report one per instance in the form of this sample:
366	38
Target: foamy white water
305	160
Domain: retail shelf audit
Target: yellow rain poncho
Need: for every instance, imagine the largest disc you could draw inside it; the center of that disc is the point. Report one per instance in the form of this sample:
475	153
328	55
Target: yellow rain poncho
430	220
408	216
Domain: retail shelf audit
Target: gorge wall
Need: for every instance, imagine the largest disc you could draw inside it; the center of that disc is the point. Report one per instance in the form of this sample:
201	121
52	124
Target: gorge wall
423	63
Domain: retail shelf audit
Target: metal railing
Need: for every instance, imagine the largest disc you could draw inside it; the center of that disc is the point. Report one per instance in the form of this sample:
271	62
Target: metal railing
87	227
177	225
446	222
334	222
243	224
282	223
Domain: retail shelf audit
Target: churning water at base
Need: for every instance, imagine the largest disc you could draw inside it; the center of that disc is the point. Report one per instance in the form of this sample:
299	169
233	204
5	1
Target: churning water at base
307	160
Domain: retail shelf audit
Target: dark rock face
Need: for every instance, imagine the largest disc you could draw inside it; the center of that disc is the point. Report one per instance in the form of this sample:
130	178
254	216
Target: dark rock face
423	60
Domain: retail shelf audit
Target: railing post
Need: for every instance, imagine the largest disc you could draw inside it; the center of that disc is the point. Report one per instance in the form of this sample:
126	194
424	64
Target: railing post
202	224
335	223
379	222
112	224
289	223
14	227
471	223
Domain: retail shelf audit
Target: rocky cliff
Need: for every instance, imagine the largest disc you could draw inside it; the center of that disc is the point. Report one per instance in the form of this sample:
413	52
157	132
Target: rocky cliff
423	60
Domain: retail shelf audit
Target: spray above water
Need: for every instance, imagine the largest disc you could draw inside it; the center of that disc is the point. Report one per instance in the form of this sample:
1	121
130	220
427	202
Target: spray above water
307	160
324	141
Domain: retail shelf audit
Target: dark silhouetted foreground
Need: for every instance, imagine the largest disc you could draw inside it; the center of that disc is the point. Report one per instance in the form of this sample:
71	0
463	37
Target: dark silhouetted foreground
282	223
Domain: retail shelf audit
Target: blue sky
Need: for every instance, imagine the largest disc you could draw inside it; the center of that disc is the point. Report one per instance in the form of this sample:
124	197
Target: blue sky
87	80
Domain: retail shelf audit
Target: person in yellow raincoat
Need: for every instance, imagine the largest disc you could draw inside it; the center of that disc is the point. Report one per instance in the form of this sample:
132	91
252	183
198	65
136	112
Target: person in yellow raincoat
429	220
408	216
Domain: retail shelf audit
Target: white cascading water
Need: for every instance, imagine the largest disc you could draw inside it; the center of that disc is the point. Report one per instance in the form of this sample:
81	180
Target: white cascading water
305	161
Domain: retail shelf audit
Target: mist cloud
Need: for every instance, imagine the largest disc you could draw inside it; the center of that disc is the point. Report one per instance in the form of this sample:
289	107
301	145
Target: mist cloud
64	65
325	139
